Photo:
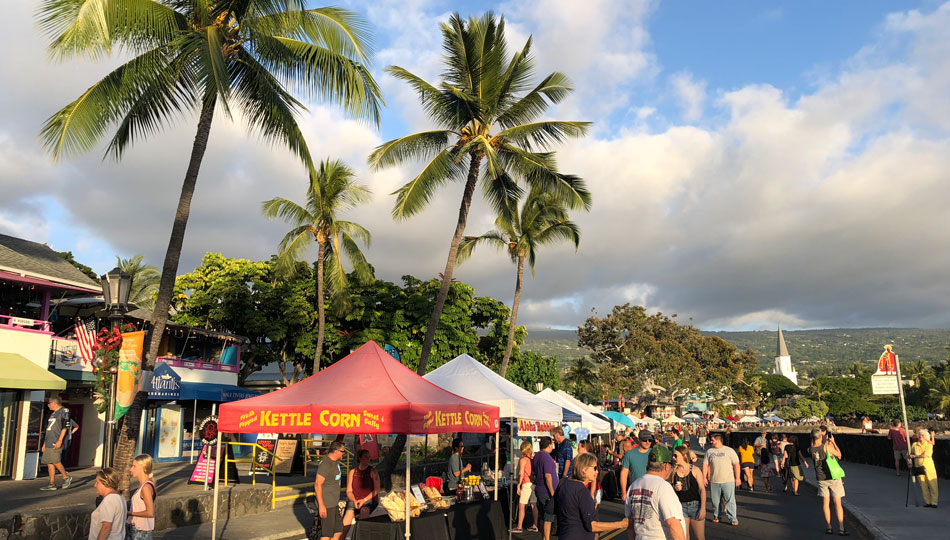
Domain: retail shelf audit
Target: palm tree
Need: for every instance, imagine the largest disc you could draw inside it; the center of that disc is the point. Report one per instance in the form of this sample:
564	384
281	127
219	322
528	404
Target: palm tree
917	371
145	279
332	191
542	220
487	114
941	392
581	375
241	56
858	370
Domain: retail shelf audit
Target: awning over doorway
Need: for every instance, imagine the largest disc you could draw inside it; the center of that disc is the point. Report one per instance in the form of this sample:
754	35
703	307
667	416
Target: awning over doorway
168	386
18	372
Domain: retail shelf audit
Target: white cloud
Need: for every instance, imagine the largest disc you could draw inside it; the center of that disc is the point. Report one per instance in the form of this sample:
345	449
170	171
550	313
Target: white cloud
691	95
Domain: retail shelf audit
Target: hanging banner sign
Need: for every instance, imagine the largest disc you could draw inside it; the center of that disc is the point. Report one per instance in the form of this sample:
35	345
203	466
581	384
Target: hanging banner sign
362	421
535	428
130	364
884	381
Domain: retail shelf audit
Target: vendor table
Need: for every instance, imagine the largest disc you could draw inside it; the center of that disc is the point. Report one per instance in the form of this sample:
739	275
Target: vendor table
482	520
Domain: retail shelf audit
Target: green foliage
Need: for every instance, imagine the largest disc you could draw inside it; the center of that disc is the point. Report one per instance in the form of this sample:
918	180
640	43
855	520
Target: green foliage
892	411
581	379
527	368
808	408
639	352
68	255
940	393
846	396
777	385
790	413
145	278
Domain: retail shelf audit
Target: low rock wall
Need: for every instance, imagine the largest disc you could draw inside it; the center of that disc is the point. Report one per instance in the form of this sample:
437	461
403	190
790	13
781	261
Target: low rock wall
171	511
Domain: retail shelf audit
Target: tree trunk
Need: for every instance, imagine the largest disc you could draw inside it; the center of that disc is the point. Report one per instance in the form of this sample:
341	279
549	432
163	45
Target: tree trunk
128	435
514	317
449	264
321	318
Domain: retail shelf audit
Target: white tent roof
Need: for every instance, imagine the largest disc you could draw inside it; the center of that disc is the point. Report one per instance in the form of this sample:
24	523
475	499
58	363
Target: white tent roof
588	420
773	418
673	419
749	419
645	420
579	403
692	416
470	379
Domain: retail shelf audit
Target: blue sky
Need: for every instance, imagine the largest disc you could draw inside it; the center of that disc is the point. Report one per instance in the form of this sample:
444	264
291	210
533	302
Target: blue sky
751	162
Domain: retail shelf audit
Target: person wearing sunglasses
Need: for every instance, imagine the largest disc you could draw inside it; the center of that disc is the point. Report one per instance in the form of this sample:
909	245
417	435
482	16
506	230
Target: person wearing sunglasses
652	509
327	491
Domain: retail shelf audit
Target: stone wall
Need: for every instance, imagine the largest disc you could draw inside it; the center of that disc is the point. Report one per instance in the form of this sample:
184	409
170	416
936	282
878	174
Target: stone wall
171	511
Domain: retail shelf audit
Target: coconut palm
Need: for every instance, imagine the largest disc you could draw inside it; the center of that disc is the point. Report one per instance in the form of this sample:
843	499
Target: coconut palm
332	191
145	279
940	392
581	376
486	113
542	220
917	371
241	57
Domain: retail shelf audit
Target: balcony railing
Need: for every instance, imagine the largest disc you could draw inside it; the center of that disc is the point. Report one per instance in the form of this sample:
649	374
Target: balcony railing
8	322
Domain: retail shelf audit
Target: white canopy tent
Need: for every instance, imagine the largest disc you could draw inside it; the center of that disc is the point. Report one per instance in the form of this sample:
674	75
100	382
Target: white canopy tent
645	420
673	419
579	403
774	418
692	417
588	420
749	419
468	377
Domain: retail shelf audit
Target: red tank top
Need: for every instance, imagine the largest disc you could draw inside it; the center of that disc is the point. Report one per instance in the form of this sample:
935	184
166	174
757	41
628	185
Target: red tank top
362	482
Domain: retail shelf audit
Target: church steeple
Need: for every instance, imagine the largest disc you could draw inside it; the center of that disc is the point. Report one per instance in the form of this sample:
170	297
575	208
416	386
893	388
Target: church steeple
781	349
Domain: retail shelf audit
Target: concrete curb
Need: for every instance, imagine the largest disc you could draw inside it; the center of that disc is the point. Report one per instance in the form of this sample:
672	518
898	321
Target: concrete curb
866	525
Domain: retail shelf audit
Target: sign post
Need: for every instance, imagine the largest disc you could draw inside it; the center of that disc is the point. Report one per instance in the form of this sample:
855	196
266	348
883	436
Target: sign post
887	380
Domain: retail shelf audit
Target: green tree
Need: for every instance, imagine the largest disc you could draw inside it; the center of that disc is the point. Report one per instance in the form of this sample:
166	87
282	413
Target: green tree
529	368
236	56
332	191
68	255
808	408
580	377
541	221
487	114
777	385
145	279
858	369
918	371
940	392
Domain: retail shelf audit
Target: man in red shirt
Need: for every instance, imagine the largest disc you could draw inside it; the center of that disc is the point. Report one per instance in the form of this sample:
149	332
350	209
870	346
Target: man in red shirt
898	437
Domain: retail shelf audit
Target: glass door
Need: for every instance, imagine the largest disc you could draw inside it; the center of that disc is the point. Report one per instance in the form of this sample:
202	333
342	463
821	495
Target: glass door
9	406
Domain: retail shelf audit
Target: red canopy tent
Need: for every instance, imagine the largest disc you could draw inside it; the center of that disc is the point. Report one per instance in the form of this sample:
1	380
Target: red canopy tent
368	391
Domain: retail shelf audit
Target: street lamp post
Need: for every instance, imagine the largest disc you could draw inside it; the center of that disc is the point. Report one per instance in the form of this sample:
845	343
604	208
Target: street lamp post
116	286
539	386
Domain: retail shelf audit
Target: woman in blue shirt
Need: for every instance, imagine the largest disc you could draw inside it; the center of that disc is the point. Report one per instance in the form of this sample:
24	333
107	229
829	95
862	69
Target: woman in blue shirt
575	506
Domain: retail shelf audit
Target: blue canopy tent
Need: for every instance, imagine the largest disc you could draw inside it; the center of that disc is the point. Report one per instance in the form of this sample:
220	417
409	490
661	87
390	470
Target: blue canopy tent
568	415
619	418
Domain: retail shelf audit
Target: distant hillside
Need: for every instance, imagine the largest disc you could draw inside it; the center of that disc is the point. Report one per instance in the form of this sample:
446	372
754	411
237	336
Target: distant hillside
814	352
818	351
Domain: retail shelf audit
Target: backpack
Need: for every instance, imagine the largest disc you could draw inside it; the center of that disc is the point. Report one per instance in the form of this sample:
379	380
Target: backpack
776	448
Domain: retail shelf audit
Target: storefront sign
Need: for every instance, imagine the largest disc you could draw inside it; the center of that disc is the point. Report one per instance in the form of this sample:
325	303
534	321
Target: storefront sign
20	321
130	367
65	355
166	384
285	451
535	428
208	430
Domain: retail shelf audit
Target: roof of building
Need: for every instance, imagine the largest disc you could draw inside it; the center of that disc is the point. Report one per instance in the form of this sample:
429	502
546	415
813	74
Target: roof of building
39	260
781	348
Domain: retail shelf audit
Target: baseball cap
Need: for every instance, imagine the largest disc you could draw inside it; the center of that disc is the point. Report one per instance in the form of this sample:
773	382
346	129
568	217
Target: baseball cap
661	454
645	435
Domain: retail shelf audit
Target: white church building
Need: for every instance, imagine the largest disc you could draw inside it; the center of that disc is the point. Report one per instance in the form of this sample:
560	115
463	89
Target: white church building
783	360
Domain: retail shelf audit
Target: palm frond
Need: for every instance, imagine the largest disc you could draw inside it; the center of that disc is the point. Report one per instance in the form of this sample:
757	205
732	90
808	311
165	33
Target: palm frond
469	243
362	268
415	195
543	134
552	89
438	104
460	54
287	210
354	230
502	193
539	171
423	145
291	248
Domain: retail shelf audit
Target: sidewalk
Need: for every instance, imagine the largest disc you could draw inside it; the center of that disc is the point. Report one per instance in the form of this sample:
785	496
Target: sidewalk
875	496
283	523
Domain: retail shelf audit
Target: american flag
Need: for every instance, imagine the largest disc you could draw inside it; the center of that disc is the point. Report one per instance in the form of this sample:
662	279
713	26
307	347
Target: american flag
86	336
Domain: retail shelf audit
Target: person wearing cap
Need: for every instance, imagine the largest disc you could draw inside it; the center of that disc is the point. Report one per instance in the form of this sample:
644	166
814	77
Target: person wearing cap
652	509
634	464
822	445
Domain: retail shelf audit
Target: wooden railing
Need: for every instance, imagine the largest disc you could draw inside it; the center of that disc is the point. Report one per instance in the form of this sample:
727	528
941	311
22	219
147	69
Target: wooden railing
23	323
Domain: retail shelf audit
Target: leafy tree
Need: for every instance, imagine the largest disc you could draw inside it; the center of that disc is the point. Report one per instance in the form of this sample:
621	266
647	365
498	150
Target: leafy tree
487	114
808	408
777	385
201	56
917	371
145	279
529	368
246	298
68	255
332	191
580	377
790	413
892	411
858	370
847	397
542	220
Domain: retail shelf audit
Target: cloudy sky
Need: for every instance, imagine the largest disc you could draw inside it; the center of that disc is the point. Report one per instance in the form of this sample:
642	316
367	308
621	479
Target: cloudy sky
750	162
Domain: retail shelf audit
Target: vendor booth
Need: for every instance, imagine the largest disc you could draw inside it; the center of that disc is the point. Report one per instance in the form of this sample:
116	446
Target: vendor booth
588	420
367	392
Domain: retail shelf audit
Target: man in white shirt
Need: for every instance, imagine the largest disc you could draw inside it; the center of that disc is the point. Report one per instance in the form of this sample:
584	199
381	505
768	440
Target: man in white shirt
652	508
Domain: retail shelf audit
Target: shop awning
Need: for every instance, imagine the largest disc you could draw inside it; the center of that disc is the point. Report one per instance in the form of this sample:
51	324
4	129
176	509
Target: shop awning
18	372
221	393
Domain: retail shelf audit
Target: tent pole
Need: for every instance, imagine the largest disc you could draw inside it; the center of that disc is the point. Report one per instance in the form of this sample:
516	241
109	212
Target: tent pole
214	510
194	424
511	457
408	506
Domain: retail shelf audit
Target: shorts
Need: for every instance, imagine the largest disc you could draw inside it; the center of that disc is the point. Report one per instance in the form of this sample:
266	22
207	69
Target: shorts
898	454
527	494
331	524
546	506
52	456
372	504
835	487
766	471
748	465
131	533
796	472
691	509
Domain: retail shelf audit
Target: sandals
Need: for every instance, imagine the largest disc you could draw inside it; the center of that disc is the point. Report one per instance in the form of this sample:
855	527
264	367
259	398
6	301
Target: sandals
829	530
532	529
519	530
844	533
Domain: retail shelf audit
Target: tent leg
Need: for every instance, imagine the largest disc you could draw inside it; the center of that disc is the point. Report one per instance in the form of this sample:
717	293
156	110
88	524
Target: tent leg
497	450
194	424
408	506
214	509
511	459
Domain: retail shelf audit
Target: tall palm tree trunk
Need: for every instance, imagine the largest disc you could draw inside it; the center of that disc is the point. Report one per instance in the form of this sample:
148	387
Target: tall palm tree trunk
321	320
514	317
128	435
450	263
